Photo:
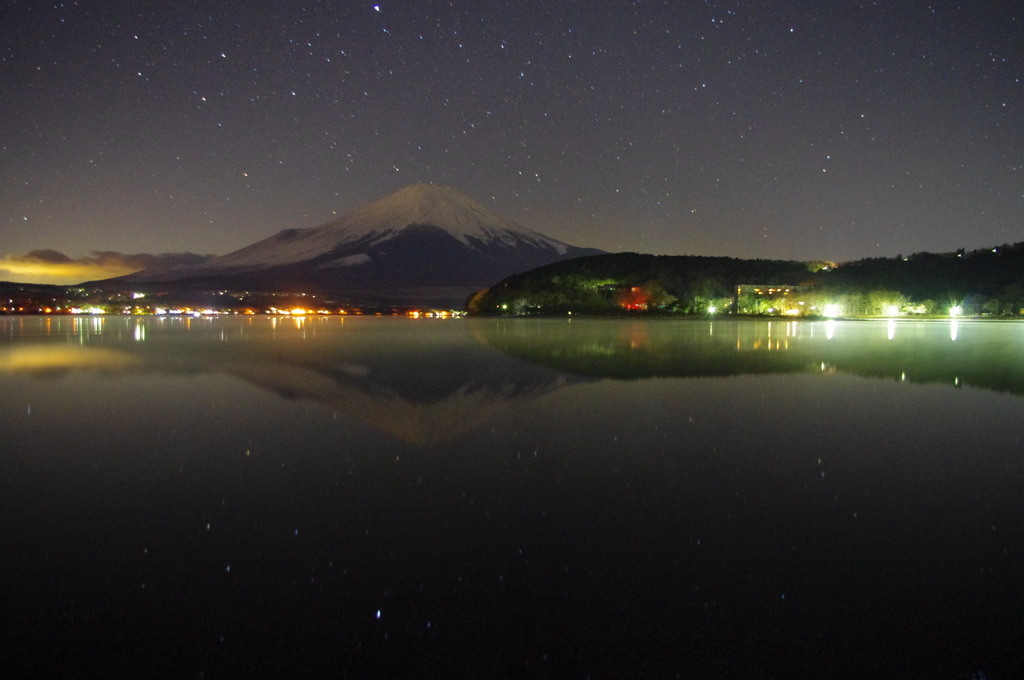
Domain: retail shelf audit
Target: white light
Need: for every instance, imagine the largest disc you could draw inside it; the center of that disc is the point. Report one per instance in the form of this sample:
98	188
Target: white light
831	310
892	310
956	311
712	309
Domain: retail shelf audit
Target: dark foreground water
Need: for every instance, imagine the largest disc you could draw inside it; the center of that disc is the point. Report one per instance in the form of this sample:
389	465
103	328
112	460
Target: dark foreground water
363	497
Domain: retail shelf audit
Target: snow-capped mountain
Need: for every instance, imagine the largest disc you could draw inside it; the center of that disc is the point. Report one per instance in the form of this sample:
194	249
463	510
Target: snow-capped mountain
413	244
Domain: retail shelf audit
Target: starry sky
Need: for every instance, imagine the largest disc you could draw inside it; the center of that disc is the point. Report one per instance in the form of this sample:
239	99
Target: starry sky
788	129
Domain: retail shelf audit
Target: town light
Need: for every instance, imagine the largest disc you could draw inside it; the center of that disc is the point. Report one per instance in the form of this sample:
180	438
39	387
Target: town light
831	310
956	310
712	309
892	310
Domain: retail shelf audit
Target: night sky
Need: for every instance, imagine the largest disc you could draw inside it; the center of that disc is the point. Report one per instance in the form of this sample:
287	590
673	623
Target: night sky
793	130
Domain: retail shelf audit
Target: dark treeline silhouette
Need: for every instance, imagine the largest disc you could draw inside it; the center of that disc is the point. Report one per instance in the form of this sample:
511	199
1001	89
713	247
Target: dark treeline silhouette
990	281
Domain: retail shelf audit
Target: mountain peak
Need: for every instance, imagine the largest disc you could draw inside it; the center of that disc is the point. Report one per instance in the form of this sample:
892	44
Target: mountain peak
436	205
423	192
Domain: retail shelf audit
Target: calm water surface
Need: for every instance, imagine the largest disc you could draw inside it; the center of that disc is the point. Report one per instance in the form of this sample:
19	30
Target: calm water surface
364	497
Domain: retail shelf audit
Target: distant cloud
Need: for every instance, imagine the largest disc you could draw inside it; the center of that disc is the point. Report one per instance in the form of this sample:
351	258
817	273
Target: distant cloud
52	266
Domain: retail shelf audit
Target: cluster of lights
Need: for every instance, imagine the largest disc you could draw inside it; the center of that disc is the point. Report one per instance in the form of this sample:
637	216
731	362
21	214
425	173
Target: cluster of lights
435	314
187	311
299	311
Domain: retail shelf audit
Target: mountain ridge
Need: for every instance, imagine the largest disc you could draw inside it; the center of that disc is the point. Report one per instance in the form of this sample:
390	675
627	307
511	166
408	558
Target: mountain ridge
422	237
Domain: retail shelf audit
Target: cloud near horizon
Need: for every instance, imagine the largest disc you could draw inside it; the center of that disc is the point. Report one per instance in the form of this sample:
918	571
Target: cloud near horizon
54	267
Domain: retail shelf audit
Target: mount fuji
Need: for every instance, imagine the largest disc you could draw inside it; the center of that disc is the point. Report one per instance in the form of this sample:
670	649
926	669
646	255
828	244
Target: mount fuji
423	243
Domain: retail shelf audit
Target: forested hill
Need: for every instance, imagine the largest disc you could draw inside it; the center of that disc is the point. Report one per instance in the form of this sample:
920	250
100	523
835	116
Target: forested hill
590	284
984	273
992	278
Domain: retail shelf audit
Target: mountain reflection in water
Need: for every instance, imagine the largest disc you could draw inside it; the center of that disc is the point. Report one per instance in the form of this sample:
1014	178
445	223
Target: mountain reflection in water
421	382
600	497
429	381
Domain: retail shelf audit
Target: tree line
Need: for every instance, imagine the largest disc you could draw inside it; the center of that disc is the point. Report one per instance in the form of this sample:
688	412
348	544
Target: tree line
989	280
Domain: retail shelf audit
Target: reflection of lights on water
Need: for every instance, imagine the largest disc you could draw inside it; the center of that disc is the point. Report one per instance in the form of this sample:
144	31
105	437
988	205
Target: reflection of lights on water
952	329
892	329
903	376
41	358
140	331
830	329
830	310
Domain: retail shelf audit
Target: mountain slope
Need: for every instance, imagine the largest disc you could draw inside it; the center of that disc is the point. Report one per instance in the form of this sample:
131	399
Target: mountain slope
412	244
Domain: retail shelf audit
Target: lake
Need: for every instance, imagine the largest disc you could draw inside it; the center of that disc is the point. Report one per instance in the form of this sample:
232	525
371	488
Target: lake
379	497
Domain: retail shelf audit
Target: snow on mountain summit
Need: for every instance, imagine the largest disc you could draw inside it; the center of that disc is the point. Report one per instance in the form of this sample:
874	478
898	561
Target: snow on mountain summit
415	205
440	206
